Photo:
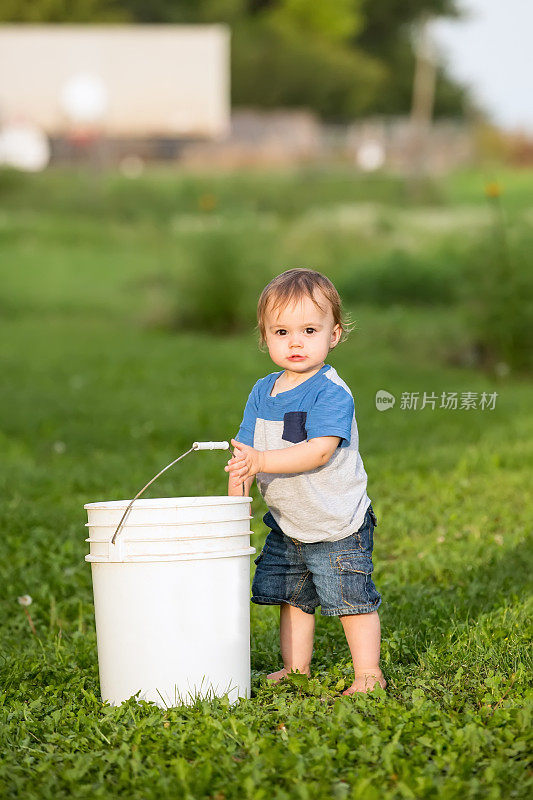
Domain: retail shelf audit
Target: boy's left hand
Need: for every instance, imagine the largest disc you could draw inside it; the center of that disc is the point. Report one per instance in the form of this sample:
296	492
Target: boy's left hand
245	462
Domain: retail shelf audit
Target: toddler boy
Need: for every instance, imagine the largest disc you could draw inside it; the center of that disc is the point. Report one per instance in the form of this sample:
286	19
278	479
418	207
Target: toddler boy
299	439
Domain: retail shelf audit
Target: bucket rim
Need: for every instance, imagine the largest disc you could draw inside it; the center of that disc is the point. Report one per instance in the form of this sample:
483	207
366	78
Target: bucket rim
168	502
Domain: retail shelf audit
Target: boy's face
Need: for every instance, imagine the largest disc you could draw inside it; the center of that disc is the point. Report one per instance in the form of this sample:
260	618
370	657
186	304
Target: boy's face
301	329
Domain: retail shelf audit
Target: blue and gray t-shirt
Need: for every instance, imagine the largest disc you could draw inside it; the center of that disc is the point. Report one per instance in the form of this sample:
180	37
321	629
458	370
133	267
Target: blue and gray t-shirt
324	504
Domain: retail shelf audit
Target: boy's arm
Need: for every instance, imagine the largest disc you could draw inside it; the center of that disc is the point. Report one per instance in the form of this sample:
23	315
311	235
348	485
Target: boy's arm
246	462
300	457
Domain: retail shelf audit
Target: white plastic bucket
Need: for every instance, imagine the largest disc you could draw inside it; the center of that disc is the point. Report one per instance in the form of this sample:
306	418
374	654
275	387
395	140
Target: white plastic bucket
172	598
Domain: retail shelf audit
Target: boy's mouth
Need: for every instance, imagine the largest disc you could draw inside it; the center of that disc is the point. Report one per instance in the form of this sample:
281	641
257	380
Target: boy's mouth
296	358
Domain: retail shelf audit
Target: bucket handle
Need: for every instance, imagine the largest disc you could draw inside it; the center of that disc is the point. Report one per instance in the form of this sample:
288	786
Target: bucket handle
195	446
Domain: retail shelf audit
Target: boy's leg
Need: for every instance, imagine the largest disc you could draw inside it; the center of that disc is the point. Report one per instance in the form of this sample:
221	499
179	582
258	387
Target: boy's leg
296	634
363	634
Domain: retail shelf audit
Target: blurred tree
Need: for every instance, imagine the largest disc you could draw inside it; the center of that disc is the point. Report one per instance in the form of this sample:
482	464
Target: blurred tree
397	92
387	35
335	21
273	67
63	11
186	11
388	21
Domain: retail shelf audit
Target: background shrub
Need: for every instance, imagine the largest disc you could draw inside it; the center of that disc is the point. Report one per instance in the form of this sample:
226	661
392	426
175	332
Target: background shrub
497	292
217	291
400	277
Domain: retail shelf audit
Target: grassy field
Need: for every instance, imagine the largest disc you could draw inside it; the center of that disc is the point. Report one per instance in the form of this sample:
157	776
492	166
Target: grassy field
99	392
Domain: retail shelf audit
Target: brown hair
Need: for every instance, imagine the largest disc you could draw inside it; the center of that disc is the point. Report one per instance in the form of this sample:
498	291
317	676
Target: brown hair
291	286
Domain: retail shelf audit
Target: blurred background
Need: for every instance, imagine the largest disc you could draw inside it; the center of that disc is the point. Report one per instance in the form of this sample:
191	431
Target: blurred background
371	140
430	86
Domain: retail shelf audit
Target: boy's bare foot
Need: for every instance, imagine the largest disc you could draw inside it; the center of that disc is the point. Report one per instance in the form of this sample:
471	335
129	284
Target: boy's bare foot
365	681
278	676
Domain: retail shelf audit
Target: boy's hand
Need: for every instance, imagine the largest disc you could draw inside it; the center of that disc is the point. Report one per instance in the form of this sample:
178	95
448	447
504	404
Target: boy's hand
245	462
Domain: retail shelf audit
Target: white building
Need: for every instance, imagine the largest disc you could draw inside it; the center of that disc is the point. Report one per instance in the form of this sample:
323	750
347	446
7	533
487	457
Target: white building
120	80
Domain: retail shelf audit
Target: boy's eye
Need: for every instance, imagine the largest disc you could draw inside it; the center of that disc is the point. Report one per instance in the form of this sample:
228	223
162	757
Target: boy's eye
282	330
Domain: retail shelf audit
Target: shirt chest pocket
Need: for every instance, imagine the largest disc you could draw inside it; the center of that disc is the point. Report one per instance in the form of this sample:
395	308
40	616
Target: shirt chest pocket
294	426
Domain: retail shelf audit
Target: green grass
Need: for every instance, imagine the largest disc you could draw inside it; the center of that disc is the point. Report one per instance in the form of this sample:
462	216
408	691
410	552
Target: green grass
94	403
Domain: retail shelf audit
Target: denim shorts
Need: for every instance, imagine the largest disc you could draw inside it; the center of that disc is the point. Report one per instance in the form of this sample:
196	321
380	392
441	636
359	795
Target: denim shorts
334	575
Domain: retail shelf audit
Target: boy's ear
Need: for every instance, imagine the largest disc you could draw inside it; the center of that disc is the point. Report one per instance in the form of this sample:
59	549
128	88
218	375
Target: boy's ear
336	330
